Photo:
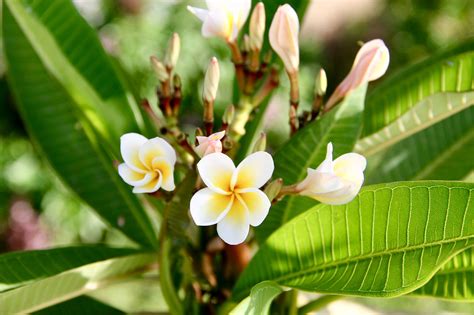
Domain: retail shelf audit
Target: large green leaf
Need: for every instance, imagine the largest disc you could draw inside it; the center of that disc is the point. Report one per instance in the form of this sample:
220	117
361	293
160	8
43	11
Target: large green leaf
58	125
69	48
260	299
79	306
439	152
307	149
389	241
57	277
418	97
455	280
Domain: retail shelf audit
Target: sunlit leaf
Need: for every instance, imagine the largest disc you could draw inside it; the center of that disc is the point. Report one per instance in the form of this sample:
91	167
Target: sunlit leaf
387	242
260	299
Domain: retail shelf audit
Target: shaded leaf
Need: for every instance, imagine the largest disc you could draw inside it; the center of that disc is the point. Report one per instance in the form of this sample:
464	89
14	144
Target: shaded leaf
260	299
307	148
79	306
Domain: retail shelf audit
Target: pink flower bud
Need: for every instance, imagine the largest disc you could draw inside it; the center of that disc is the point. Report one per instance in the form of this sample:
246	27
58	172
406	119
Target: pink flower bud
210	144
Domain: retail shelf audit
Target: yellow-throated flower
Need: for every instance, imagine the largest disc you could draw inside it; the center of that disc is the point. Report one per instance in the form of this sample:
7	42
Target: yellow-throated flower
224	18
149	163
232	199
334	182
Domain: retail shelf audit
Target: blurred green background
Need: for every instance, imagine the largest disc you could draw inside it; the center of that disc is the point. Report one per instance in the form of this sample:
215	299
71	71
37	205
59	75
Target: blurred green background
37	211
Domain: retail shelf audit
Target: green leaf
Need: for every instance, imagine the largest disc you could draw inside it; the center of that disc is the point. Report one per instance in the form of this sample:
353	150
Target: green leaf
389	241
66	137
79	306
307	148
454	280
438	152
71	51
260	299
18	268
426	113
418	97
169	291
58	279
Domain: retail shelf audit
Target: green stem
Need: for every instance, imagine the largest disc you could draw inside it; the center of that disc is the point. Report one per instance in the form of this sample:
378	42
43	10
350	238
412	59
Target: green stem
318	303
293	307
242	115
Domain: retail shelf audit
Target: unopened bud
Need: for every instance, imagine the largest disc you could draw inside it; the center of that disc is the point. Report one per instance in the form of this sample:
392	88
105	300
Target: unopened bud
211	81
321	83
246	43
172	53
228	116
284	32
261	143
159	68
257	27
273	189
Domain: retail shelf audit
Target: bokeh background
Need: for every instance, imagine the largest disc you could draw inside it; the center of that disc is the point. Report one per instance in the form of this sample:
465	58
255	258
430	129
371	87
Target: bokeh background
37	211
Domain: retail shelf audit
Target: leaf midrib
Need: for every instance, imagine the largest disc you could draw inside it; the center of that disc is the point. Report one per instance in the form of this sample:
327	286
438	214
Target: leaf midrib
368	256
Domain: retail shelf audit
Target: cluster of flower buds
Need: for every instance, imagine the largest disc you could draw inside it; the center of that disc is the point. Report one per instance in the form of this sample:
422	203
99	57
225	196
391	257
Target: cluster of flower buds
234	197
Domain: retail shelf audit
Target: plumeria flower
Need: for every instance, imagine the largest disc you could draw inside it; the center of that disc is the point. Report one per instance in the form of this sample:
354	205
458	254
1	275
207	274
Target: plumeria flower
149	163
232	199
211	144
334	182
224	18
370	64
284	32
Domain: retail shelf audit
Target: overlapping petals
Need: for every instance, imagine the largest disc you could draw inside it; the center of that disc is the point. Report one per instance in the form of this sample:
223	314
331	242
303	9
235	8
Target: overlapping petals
224	18
335	182
211	144
232	199
148	164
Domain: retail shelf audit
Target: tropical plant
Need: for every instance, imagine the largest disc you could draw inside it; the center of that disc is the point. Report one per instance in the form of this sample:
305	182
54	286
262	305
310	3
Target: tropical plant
314	228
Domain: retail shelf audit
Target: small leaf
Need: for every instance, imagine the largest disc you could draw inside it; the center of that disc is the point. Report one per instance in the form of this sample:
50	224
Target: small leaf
260	299
389	241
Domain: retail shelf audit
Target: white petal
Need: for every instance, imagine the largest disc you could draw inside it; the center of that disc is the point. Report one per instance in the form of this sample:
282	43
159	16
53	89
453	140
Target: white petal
217	5
216	171
254	171
257	204
134	178
199	13
340	196
151	187
350	167
217	24
380	60
208	207
166	170
317	182
156	147
130	144
234	227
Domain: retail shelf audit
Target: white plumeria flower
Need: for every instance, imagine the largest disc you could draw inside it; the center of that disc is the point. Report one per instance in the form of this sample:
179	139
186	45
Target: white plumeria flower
232	199
224	18
284	32
149	163
211	144
334	182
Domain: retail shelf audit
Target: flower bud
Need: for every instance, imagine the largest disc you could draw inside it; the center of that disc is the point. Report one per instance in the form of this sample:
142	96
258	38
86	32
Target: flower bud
211	81
273	189
261	143
371	63
284	33
211	144
246	43
229	114
172	53
257	27
321	83
159	68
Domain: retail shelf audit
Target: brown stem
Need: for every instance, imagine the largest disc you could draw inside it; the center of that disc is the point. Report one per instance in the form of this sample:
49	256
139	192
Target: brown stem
238	61
271	82
294	89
